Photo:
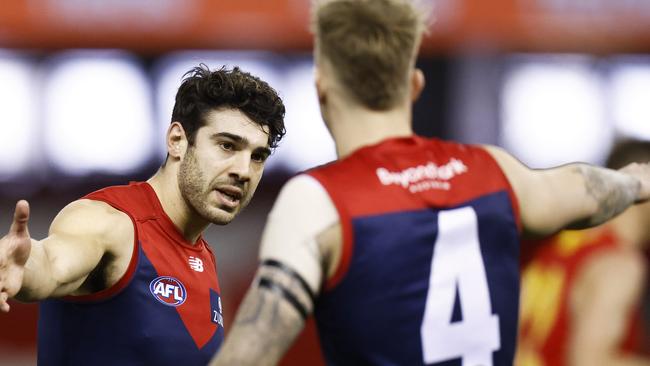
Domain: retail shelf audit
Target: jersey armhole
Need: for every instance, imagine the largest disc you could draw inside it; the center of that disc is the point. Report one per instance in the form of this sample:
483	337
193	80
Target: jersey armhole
511	192
347	233
126	278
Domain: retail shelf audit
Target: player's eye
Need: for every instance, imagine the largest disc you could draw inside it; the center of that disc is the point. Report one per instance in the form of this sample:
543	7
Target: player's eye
227	146
260	158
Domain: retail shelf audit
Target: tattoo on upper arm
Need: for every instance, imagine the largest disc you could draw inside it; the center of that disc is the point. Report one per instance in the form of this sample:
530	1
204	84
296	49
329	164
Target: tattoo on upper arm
288	290
612	191
269	319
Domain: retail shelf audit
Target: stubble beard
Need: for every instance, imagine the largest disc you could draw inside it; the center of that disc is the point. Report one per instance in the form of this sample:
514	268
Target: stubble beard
195	190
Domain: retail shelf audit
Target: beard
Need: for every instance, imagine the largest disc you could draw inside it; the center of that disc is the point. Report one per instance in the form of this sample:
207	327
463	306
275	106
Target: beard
195	190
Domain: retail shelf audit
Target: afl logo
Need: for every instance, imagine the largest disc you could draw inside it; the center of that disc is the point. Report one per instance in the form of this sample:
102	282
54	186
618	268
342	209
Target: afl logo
168	291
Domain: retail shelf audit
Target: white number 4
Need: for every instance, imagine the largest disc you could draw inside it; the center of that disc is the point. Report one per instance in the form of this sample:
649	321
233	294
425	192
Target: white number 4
457	263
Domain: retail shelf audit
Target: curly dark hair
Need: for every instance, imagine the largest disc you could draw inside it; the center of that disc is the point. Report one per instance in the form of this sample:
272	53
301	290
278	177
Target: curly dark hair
203	90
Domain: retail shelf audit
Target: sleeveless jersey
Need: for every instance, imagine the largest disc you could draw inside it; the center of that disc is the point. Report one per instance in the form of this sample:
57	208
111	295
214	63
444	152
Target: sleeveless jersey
547	284
429	270
166	309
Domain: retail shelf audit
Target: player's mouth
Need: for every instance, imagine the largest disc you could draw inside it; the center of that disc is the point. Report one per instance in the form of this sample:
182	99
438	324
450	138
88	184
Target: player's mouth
229	196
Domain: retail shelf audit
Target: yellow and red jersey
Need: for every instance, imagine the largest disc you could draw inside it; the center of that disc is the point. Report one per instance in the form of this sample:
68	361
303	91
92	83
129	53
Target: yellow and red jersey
547	282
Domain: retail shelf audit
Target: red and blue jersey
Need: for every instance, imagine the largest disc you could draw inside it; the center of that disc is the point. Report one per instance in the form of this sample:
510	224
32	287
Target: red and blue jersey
429	271
165	310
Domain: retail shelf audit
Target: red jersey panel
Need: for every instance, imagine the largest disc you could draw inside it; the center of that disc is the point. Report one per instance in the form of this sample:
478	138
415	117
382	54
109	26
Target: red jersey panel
166	310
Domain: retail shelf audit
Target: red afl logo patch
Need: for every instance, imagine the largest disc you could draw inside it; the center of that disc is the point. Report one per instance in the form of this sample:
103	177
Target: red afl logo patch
168	290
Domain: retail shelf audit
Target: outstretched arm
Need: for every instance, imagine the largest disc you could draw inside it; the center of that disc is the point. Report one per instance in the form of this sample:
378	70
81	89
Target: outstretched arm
573	196
297	252
81	234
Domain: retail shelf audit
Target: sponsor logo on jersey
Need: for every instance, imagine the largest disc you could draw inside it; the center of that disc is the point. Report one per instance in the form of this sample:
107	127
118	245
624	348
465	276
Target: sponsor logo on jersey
217	310
168	291
196	264
423	177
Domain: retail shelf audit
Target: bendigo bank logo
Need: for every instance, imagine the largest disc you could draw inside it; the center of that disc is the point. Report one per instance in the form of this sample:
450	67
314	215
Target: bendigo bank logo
168	290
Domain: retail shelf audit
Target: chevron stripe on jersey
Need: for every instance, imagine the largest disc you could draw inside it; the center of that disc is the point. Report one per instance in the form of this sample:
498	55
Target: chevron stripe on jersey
166	310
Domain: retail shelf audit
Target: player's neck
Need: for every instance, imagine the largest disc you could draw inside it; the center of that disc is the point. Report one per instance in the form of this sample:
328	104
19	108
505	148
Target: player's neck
353	127
188	223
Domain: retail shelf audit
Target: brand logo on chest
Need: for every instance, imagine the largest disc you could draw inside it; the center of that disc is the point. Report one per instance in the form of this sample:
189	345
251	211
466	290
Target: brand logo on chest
196	264
168	291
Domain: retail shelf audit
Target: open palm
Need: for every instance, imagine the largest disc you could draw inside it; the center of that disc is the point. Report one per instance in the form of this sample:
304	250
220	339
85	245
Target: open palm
14	252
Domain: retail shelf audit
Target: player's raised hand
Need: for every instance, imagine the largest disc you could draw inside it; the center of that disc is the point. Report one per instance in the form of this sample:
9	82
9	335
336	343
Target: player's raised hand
640	171
14	252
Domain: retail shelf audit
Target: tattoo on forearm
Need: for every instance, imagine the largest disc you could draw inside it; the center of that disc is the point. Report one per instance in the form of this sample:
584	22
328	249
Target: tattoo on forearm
612	191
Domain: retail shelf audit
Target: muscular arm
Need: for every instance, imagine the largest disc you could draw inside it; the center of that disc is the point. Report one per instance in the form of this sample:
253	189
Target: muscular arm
572	196
80	235
296	254
603	298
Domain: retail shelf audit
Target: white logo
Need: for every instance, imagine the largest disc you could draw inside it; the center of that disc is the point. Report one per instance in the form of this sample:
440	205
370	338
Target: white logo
218	313
423	177
196	264
168	290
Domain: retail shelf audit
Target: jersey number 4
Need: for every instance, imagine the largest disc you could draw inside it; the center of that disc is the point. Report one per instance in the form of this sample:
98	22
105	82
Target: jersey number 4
457	265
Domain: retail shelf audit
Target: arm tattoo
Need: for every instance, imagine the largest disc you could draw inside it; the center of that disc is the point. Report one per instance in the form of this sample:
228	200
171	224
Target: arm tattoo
293	274
271	316
612	191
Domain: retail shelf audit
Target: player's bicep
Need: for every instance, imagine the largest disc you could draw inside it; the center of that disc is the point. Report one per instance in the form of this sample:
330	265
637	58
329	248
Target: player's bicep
79	237
574	195
540	204
294	233
291	270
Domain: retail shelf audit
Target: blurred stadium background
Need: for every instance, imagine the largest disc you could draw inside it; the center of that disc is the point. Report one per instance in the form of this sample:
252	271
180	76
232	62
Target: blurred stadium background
87	88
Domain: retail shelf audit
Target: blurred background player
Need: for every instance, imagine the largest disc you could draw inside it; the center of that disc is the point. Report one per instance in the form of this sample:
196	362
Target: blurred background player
124	276
86	103
581	294
406	248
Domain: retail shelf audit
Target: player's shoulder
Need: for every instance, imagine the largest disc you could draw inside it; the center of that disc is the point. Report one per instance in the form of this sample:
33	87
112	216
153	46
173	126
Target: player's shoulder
119	192
304	190
92	218
303	198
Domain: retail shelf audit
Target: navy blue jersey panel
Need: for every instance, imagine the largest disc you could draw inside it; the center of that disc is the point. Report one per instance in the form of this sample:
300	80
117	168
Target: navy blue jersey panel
374	316
127	329
500	251
380	300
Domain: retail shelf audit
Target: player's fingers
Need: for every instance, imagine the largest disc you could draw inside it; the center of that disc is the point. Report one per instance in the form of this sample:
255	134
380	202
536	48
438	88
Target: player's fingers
4	305
21	217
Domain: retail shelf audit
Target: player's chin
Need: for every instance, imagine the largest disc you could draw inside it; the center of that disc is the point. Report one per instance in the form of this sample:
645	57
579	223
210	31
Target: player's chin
222	215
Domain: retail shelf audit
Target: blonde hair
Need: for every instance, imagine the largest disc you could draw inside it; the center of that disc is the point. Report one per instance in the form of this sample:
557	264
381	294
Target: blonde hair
371	45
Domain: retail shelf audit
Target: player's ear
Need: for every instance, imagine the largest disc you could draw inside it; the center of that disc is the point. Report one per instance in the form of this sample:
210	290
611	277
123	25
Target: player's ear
320	85
176	141
417	84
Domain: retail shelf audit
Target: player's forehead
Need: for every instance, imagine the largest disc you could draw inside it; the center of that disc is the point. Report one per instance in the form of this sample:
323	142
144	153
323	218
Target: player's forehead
234	123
